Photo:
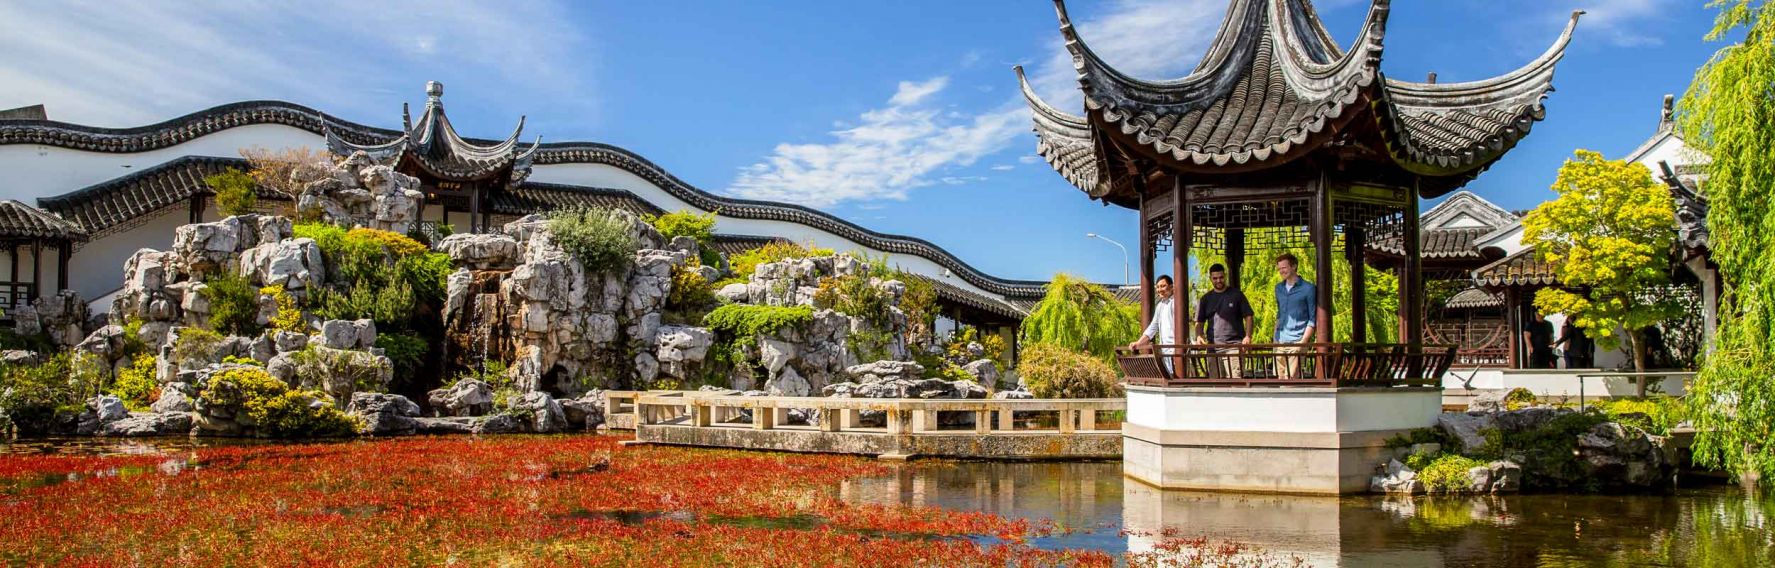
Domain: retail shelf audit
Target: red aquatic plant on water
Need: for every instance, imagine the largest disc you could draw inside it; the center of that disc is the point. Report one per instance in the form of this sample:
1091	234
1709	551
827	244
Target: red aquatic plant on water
504	501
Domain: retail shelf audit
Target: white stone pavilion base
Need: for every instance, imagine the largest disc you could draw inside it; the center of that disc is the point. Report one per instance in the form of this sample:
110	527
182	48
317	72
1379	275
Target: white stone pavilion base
1270	440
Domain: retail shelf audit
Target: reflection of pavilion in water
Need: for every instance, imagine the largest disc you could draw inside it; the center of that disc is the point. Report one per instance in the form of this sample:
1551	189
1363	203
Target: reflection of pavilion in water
1721	525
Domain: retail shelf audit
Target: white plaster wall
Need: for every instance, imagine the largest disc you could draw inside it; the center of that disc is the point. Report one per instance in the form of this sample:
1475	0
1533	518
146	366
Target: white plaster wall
34	171
1311	410
46	266
1557	382
97	268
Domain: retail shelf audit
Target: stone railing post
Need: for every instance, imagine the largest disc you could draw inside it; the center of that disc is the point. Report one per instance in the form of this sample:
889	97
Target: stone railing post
982	422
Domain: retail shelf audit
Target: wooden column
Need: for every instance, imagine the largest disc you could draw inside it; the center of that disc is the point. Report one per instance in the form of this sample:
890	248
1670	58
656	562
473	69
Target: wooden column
196	213
1355	238
12	294
1411	282
1322	251
1512	324
64	251
1235	257
1146	266
474	211
36	269
1181	229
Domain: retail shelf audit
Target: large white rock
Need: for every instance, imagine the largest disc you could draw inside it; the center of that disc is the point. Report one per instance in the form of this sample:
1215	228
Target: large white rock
787	383
295	264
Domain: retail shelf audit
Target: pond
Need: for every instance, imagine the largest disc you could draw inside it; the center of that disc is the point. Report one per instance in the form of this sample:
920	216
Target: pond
1709	526
1085	506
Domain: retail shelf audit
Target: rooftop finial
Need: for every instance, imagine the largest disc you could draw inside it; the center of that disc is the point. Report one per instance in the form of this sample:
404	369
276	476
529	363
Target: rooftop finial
1668	116
434	91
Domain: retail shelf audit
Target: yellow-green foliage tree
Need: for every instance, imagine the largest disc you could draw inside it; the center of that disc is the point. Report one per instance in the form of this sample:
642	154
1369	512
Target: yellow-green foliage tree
1729	114
1609	234
234	191
1076	314
1258	278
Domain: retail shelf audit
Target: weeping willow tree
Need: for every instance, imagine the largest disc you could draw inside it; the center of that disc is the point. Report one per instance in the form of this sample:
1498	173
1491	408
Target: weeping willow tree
1258	278
1078	315
1729	114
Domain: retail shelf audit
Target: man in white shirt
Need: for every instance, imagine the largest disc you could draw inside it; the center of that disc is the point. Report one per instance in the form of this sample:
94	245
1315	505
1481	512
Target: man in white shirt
1161	328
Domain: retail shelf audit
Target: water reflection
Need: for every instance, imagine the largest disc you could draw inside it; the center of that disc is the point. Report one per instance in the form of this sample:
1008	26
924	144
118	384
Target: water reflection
1711	526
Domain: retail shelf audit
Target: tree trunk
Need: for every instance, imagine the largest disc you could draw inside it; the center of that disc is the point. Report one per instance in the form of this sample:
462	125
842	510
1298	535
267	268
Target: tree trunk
1636	341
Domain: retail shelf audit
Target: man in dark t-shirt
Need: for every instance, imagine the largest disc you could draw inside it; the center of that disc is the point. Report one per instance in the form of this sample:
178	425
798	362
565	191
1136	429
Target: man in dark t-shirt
1538	336
1224	317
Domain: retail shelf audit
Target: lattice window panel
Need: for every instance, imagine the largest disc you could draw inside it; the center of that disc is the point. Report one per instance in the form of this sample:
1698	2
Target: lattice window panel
1158	230
1380	222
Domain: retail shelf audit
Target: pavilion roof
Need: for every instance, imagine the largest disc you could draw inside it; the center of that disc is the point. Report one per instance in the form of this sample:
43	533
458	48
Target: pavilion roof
19	221
1271	87
1474	298
1520	269
433	146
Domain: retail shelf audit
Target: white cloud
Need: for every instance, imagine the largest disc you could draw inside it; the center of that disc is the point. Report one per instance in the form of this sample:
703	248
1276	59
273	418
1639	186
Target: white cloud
1624	23
130	63
887	152
1003	168
1150	39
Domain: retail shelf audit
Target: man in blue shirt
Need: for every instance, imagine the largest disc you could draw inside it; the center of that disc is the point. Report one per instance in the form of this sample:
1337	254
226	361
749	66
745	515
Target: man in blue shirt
1297	306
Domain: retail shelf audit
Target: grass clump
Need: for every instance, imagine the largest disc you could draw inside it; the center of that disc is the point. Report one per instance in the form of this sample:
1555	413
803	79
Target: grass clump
136	384
601	239
234	304
1657	415
1052	371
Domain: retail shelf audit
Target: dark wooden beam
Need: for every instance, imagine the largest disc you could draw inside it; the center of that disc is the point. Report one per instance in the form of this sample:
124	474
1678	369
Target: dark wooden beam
36	269
474	211
1411	282
1323	250
64	251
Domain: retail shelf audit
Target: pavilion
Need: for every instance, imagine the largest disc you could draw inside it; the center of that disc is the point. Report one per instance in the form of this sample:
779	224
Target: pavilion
1278	129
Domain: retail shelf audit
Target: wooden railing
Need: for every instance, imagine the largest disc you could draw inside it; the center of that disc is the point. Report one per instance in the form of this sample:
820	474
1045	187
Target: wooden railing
1487	357
15	294
902	416
1298	364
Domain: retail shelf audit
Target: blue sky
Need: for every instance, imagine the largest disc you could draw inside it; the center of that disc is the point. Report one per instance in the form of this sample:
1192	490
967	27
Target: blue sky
901	116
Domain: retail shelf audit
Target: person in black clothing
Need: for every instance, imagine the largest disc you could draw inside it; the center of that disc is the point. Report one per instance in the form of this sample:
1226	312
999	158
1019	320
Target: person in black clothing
1224	317
1580	350
1538	336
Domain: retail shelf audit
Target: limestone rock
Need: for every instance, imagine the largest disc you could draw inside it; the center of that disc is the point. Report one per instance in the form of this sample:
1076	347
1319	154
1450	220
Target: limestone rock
1465	428
174	397
1397	479
544	415
885	370
346	334
17	357
681	348
62	316
983	370
468	397
481	251
787	383
384	414
148	424
448	425
585	412
295	264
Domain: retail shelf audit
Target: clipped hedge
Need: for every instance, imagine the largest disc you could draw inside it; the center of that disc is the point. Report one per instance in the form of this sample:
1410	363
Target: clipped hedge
277	410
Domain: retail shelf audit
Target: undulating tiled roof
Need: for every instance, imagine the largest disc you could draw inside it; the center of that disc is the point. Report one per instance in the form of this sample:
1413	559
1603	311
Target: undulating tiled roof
1474	298
532	197
190	127
1272	85
735	244
21	221
958	295
1520	269
120	200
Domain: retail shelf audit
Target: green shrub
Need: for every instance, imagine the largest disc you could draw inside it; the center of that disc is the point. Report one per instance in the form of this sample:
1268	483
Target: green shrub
136	384
32	395
1052	371
690	291
381	275
683	223
234	304
288	316
1417	436
1550	448
406	349
279	411
1448	474
602	239
1519	398
340	370
197	344
491	372
745	263
234	192
1657	415
1079	315
746	321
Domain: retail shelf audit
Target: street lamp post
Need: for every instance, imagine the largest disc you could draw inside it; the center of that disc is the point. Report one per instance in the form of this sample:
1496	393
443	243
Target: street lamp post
1118	245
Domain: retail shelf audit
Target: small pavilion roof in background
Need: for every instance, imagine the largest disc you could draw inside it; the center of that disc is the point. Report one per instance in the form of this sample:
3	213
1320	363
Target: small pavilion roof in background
1474	298
19	221
1519	269
433	146
1273	86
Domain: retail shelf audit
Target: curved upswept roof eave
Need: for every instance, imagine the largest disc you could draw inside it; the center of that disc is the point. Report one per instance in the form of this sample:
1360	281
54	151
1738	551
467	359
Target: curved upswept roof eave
1459	129
191	126
1063	140
1317	87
